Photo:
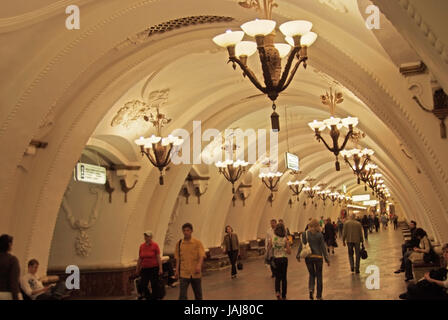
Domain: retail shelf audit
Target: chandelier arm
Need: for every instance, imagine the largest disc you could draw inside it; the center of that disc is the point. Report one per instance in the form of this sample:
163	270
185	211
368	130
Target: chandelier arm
325	143
291	75
349	134
168	157
151	159
288	65
366	161
276	183
264	67
249	73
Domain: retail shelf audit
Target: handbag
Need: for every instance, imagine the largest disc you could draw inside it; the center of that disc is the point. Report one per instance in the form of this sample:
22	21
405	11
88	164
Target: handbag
239	265
306	249
363	253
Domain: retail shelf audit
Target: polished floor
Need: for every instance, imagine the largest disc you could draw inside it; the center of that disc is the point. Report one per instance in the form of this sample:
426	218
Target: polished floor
255	282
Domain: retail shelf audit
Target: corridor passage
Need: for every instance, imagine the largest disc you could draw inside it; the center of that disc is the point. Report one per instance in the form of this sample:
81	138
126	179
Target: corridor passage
255	282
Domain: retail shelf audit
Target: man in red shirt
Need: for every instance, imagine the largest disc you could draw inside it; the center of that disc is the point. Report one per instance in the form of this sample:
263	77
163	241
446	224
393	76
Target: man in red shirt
149	266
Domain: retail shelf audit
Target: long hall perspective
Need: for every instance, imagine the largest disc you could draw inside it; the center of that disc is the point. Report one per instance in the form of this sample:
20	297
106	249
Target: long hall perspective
223	150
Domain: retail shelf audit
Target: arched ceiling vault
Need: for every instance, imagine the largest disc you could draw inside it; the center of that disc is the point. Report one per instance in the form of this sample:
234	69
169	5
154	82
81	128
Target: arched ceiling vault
101	73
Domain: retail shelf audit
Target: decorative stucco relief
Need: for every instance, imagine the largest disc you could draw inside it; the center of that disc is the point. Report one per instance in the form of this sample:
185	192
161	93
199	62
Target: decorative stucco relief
136	109
83	245
336	5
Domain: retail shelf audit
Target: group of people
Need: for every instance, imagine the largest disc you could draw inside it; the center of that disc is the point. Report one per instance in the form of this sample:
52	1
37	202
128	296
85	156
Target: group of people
27	287
320	237
434	284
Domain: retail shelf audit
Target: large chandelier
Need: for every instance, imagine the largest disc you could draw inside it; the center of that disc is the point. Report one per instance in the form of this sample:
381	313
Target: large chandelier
271	180
311	192
334	196
334	125
360	160
298	36
374	181
157	149
232	170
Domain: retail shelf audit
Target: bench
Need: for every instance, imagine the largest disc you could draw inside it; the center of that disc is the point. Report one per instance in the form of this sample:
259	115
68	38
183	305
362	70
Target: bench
216	259
419	267
255	246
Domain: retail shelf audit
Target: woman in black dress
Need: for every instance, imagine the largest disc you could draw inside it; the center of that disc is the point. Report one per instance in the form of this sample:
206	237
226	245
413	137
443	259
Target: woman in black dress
330	236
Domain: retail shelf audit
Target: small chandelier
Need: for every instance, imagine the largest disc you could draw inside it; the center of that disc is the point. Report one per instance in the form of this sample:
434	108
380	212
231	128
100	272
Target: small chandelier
296	187
298	35
324	195
158	150
230	169
334	124
360	160
311	192
334	196
373	181
365	174
271	180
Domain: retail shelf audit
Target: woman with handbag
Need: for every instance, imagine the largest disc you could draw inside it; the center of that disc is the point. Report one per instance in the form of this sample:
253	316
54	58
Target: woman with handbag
417	253
280	248
231	246
314	251
330	236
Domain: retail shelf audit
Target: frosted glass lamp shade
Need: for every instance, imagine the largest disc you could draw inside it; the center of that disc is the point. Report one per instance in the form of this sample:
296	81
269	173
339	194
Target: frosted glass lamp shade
308	39
350	121
283	49
333	122
140	141
258	27
316	125
368	152
229	38
153	139
296	28
245	48
290	41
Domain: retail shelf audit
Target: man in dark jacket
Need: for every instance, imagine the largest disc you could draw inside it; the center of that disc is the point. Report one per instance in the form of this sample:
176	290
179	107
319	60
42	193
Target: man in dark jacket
376	221
409	244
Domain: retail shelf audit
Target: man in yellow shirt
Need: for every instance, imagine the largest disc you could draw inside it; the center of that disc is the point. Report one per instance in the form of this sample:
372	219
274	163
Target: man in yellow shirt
189	256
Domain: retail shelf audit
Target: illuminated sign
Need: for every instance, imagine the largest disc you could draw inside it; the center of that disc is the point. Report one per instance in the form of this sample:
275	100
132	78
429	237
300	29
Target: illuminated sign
292	161
370	203
90	173
361	197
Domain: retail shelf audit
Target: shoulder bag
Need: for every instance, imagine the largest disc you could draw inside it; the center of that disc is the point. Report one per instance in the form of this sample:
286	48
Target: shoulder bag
306	249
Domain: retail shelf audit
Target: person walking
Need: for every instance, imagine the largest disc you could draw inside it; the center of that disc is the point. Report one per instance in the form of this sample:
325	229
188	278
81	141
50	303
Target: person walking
268	255
352	235
376	221
340	227
395	222
9	270
371	223
330	236
189	254
365	226
280	248
231	246
314	261
149	267
384	221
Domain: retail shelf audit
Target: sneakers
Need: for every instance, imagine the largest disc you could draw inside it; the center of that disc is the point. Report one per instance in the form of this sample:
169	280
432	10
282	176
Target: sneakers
399	271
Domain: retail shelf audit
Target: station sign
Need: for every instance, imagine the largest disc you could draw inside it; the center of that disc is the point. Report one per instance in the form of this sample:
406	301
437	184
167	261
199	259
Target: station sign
361	197
292	161
90	173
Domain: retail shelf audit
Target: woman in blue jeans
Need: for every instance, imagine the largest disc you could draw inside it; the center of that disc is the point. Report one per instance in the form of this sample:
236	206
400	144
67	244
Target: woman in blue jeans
280	245
314	261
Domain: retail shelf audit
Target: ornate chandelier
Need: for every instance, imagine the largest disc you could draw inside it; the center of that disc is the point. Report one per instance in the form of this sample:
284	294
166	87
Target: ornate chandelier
271	180
365	174
311	192
374	181
334	196
232	170
157	149
324	195
296	187
334	125
298	35
360	160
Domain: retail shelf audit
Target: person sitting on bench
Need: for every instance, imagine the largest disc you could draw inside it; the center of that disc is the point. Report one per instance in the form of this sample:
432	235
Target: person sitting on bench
32	286
434	286
408	245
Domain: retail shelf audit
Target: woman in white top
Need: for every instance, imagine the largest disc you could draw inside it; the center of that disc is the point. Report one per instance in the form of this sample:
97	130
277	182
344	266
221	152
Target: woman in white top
281	249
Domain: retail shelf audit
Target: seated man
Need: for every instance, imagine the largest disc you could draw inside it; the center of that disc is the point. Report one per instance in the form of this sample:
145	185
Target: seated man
33	287
434	286
406	248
